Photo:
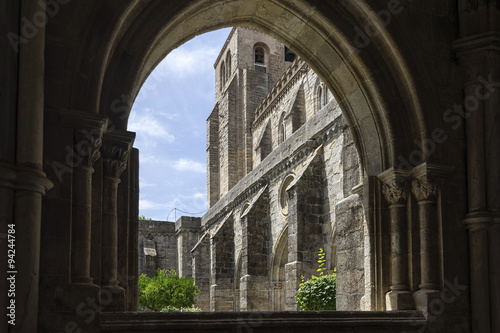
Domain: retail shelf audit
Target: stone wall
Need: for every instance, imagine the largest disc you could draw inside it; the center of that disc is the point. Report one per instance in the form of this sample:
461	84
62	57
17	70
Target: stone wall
157	246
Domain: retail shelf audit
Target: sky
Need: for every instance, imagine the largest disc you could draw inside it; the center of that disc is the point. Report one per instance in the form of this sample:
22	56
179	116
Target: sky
169	116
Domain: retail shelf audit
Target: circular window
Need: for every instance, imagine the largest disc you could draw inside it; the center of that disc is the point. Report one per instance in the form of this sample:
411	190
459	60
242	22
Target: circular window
283	196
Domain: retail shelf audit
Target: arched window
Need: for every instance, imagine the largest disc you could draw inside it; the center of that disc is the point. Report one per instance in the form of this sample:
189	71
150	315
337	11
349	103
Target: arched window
228	65
289	55
320	97
222	75
259	55
260	59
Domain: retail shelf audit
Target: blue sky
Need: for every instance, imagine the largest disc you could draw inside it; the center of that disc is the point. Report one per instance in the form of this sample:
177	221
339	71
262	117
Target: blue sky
169	117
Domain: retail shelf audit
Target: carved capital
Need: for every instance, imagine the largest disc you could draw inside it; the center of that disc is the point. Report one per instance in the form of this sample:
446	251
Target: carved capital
424	189
115	151
395	186
396	191
87	143
88	132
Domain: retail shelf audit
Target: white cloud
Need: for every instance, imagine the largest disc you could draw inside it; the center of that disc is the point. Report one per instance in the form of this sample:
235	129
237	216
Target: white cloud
144	183
184	164
150	205
150	159
146	124
182	61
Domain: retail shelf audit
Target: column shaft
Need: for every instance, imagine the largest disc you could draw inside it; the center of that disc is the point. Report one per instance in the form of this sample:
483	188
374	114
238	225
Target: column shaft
429	245
478	238
494	262
399	248
32	183
110	232
475	155
81	224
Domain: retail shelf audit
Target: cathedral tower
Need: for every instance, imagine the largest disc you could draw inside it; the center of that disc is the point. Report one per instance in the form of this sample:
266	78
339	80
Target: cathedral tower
247	67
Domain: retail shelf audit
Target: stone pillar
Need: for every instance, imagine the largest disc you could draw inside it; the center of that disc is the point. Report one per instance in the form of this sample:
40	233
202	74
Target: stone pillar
222	270
395	189
254	283
304	230
87	142
186	231
213	164
115	153
425	191
31	182
201	271
479	58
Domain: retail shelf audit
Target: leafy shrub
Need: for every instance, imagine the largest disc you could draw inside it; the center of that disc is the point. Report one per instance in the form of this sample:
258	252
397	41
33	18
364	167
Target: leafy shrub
318	293
166	290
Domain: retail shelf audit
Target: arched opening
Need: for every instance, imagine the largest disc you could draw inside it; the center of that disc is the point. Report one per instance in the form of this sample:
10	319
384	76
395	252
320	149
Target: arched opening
223	75
320	97
228	65
260	59
371	112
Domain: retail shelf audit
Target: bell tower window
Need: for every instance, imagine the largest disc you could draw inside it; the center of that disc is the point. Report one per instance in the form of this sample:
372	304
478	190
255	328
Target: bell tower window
260	59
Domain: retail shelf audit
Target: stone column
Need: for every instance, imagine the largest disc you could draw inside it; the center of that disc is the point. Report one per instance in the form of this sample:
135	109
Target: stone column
115	151
479	59
87	142
395	188
304	231
222	270
425	191
31	182
254	282
201	271
187	230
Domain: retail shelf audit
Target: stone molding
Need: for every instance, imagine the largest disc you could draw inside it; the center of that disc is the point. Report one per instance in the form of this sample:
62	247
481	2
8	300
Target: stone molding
115	151
24	178
484	42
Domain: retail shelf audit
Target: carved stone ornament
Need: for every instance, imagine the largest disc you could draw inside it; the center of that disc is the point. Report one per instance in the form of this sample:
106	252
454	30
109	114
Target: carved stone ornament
424	188
396	191
87	144
114	160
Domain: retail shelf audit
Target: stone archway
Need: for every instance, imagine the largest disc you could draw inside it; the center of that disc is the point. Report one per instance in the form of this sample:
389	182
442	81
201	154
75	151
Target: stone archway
387	90
370	92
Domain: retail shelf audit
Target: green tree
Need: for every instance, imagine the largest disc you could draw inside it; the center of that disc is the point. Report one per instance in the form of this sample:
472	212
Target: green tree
142	217
166	290
319	292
